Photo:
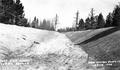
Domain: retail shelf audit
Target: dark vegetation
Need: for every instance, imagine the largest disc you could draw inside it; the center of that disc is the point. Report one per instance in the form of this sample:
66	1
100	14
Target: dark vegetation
12	12
96	21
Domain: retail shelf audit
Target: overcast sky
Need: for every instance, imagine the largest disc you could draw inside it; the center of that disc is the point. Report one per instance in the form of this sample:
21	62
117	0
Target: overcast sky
66	9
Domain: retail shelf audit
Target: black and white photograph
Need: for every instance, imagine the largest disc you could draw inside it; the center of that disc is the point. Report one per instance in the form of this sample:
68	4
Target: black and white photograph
59	34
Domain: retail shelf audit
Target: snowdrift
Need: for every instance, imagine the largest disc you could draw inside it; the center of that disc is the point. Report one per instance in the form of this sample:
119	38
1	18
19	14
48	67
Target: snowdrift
32	49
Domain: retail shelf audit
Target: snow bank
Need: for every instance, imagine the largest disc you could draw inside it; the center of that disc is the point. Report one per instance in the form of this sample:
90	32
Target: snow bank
44	50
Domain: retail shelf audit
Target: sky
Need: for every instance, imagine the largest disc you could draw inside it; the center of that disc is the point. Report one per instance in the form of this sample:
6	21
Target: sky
66	9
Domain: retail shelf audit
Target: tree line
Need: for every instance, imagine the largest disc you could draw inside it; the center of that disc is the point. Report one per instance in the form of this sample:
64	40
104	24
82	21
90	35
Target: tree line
12	12
44	24
96	21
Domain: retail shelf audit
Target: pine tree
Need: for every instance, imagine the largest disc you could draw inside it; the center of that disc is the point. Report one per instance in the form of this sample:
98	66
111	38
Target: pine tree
87	23
81	24
12	12
116	16
6	8
77	20
109	20
56	22
35	23
18	12
100	21
92	14
92	21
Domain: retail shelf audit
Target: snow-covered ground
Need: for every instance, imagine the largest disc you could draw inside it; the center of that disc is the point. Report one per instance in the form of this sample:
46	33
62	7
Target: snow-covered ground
14	38
44	50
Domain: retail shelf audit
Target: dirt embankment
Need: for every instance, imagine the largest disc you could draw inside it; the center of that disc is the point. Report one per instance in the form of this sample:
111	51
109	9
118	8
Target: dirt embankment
101	45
